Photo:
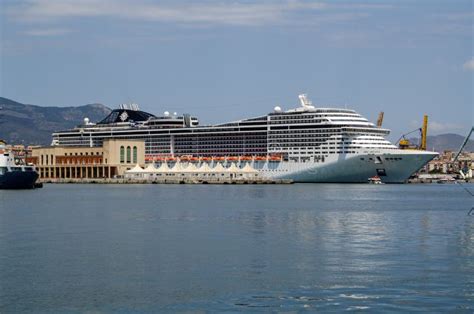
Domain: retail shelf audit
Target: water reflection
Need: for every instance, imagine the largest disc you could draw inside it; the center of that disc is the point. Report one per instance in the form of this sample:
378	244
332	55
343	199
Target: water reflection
232	248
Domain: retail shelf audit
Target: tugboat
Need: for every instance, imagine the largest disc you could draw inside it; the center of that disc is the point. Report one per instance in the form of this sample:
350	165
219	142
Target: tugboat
375	180
14	175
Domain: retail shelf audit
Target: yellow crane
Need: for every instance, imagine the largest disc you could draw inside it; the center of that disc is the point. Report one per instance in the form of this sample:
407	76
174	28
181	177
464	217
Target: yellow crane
380	119
404	143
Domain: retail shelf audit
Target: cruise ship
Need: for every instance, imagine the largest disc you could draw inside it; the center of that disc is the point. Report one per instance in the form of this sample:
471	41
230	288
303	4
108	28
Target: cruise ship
305	144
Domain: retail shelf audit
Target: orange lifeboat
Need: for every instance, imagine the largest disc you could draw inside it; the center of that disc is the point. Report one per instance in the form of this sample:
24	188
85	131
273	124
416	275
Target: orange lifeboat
206	158
246	158
171	159
184	158
275	158
232	158
219	158
194	159
260	158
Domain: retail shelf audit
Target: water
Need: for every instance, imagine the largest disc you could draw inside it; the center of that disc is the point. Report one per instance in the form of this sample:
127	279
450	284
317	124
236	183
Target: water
77	248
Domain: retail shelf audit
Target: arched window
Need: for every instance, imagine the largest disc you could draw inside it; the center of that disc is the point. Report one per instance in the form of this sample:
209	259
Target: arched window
134	154
129	155
122	154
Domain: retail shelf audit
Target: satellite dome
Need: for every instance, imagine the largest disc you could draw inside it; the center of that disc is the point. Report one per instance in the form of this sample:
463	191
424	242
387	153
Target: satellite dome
175	113
166	113
277	109
86	121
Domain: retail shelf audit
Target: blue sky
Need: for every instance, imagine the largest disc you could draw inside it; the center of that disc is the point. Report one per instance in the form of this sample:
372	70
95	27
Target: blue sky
226	60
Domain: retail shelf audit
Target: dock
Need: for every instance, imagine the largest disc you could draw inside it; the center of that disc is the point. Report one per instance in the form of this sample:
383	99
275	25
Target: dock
169	180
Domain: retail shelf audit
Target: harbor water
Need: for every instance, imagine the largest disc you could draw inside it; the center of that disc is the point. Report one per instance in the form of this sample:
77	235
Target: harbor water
281	248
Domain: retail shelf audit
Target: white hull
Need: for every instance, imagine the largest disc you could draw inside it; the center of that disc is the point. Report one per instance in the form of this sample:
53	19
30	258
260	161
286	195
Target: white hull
351	168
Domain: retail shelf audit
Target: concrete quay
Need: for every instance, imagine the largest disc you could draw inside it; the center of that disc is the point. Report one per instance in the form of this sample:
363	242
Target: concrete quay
169	181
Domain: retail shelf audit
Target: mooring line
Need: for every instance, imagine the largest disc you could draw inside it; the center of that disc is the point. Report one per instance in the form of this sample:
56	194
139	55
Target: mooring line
471	212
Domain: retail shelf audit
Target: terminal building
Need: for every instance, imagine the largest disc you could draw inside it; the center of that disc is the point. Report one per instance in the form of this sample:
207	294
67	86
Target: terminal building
110	160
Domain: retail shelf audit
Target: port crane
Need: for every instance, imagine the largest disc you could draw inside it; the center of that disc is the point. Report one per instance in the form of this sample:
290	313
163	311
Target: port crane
380	119
468	171
404	143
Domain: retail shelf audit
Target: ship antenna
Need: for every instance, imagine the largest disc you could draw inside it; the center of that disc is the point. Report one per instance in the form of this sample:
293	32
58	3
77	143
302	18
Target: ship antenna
305	102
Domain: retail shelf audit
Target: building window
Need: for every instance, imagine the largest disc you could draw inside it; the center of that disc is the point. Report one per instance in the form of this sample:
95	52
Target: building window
42	159
134	154
47	159
122	154
129	155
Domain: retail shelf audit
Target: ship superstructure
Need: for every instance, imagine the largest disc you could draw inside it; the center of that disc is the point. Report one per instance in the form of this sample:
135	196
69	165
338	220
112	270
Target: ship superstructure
306	144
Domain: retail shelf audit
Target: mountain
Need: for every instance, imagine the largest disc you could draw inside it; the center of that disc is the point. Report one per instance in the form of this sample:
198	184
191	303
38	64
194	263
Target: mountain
444	142
33	125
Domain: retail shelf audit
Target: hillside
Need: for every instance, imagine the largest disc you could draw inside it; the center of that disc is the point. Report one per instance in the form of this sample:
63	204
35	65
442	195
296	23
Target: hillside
33	125
444	142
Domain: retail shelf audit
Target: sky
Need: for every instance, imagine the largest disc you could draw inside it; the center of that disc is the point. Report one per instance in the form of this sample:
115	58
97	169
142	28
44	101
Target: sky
229	60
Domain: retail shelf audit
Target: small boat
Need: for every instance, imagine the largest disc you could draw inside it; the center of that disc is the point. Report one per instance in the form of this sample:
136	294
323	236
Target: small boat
375	180
14	175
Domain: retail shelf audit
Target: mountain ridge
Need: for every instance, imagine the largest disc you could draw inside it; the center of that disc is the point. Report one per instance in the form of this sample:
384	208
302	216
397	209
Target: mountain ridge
447	141
32	124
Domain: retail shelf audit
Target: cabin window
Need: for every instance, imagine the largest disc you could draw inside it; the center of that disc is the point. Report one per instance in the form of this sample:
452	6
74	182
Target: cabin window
122	154
134	154
129	155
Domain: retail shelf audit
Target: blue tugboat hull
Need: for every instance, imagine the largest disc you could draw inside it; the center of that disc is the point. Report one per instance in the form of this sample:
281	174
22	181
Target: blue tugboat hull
18	180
